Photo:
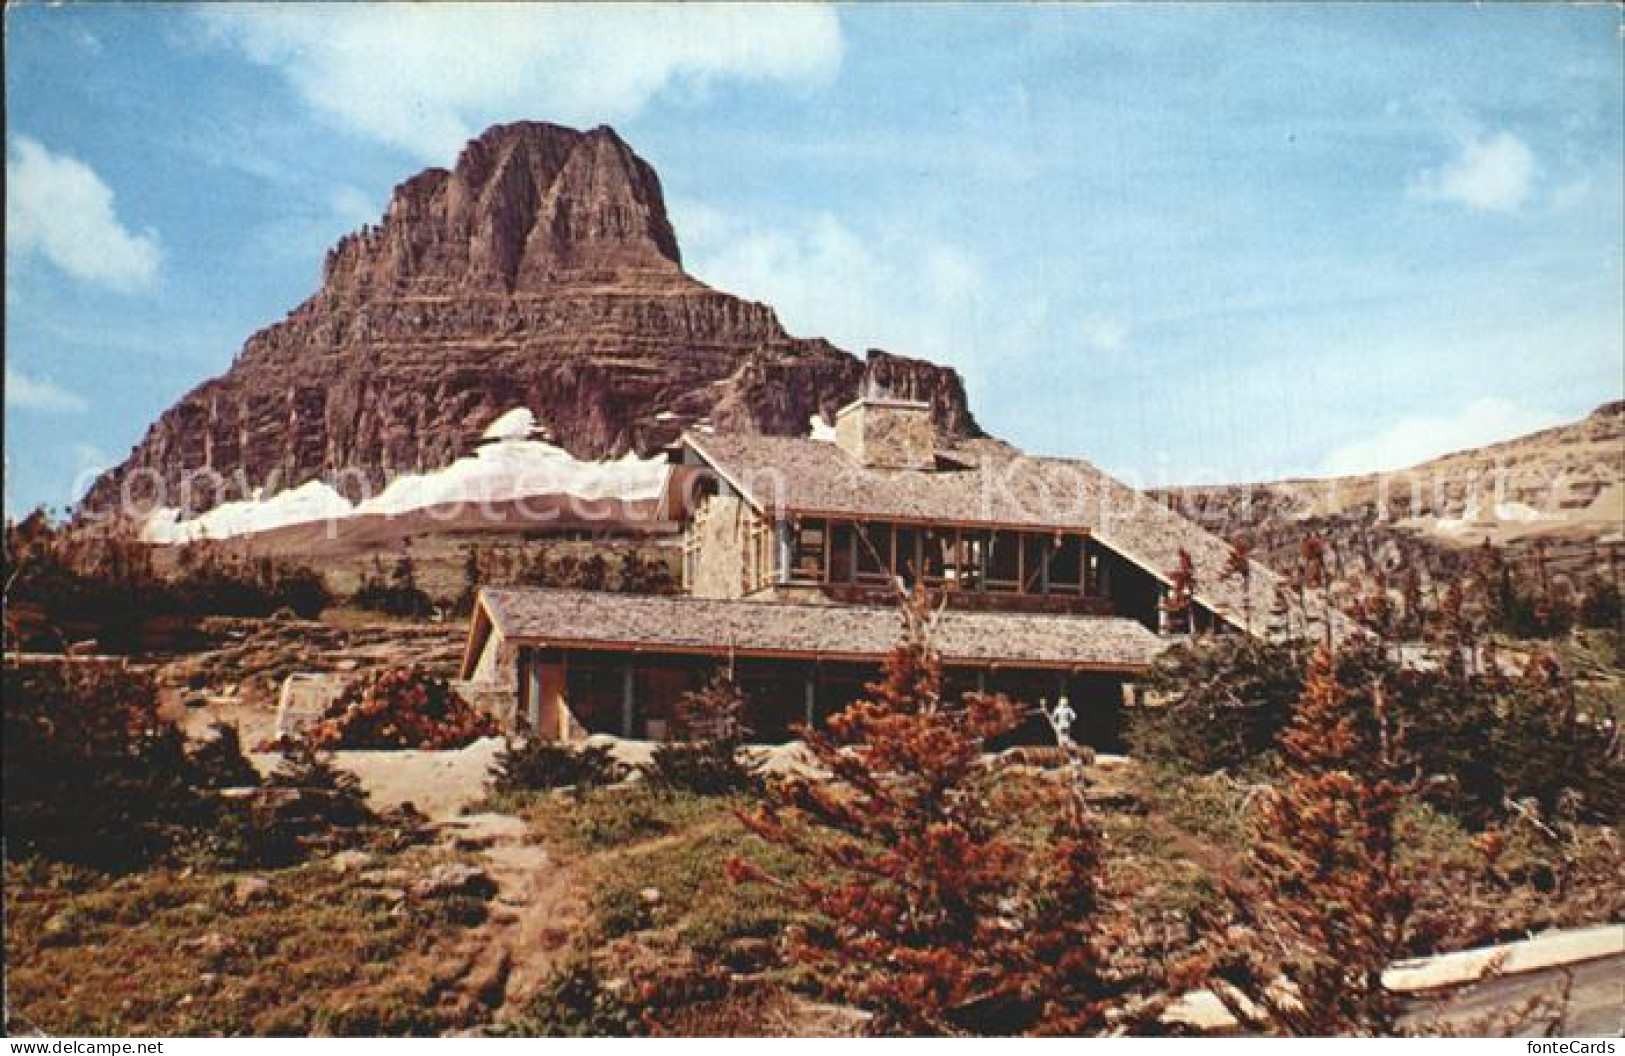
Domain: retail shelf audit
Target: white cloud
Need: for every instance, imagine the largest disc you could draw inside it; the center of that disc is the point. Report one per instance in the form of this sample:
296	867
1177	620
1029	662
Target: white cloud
428	76
57	206
88	42
39	394
308	228
353	206
1494	174
1105	337
1420	437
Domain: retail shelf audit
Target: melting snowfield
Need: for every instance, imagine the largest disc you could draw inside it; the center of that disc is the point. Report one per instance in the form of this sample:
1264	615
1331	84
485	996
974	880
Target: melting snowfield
1475	517
508	465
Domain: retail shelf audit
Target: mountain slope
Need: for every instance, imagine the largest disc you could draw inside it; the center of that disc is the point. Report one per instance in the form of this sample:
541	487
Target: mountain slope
541	272
1562	489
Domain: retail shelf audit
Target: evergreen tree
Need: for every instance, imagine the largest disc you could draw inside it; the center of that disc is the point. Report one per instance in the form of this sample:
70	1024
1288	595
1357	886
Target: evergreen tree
1178	606
1239	565
1326	908
703	753
925	907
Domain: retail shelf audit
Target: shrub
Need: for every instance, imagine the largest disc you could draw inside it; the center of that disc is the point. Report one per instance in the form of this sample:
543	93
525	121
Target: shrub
1600	606
703	755
620	911
631	571
398	596
102	583
1475	738
92	774
534	764
301	589
94	777
324	796
1546	751
306	804
246	834
219	762
402	707
646	575
575	1003
1225	700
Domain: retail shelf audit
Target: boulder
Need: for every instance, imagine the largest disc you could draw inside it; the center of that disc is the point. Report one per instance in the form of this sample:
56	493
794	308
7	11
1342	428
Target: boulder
453	878
246	889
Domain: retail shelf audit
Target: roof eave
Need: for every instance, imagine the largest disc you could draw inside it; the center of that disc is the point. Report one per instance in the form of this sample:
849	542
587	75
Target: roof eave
480	626
711	461
554	641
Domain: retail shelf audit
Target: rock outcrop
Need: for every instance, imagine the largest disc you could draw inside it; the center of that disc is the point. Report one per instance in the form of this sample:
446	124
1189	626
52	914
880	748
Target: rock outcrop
542	271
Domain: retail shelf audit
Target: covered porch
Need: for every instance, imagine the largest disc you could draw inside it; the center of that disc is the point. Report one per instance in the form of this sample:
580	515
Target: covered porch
569	694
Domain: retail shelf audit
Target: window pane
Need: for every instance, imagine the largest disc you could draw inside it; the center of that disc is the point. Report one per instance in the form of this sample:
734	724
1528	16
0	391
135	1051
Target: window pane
808	561
938	553
1066	563
908	560
1003	560
1037	547
874	549
840	553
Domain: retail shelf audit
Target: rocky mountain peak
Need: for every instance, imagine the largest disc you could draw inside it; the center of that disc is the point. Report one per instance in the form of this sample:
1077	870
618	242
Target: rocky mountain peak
529	206
539	272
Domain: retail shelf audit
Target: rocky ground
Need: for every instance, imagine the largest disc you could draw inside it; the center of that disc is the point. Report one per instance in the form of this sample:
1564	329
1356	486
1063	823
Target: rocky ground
468	930
237	680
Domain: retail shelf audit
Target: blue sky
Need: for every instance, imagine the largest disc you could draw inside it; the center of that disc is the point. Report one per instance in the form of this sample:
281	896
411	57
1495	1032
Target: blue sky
1189	243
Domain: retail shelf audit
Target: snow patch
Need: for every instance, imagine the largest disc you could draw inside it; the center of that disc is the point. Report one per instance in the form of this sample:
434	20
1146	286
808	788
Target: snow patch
515	469
1520	512
516	424
1500	513
313	500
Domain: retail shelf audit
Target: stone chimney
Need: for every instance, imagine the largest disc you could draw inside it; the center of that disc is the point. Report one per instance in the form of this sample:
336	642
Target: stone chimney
886	433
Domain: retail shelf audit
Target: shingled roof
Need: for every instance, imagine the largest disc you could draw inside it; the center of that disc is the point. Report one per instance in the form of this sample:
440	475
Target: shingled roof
989	484
599	620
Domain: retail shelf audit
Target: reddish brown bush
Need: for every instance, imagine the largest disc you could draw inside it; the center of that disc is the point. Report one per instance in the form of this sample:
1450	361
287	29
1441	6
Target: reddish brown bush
927	906
403	707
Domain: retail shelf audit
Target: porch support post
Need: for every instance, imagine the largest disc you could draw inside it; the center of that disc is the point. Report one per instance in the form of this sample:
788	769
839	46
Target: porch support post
626	700
810	698
564	694
784	528
533	696
518	687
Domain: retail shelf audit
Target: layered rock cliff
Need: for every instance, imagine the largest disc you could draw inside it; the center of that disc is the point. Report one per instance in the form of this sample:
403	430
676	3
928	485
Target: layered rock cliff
541	272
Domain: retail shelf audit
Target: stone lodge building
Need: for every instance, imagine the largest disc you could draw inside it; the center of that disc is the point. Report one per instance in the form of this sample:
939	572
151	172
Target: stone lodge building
1054	576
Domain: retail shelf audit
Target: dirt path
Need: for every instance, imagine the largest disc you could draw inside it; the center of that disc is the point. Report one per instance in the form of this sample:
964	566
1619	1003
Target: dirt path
540	904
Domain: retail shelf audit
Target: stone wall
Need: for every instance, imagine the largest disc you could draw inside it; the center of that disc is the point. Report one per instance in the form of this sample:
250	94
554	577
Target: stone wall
720	529
889	434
